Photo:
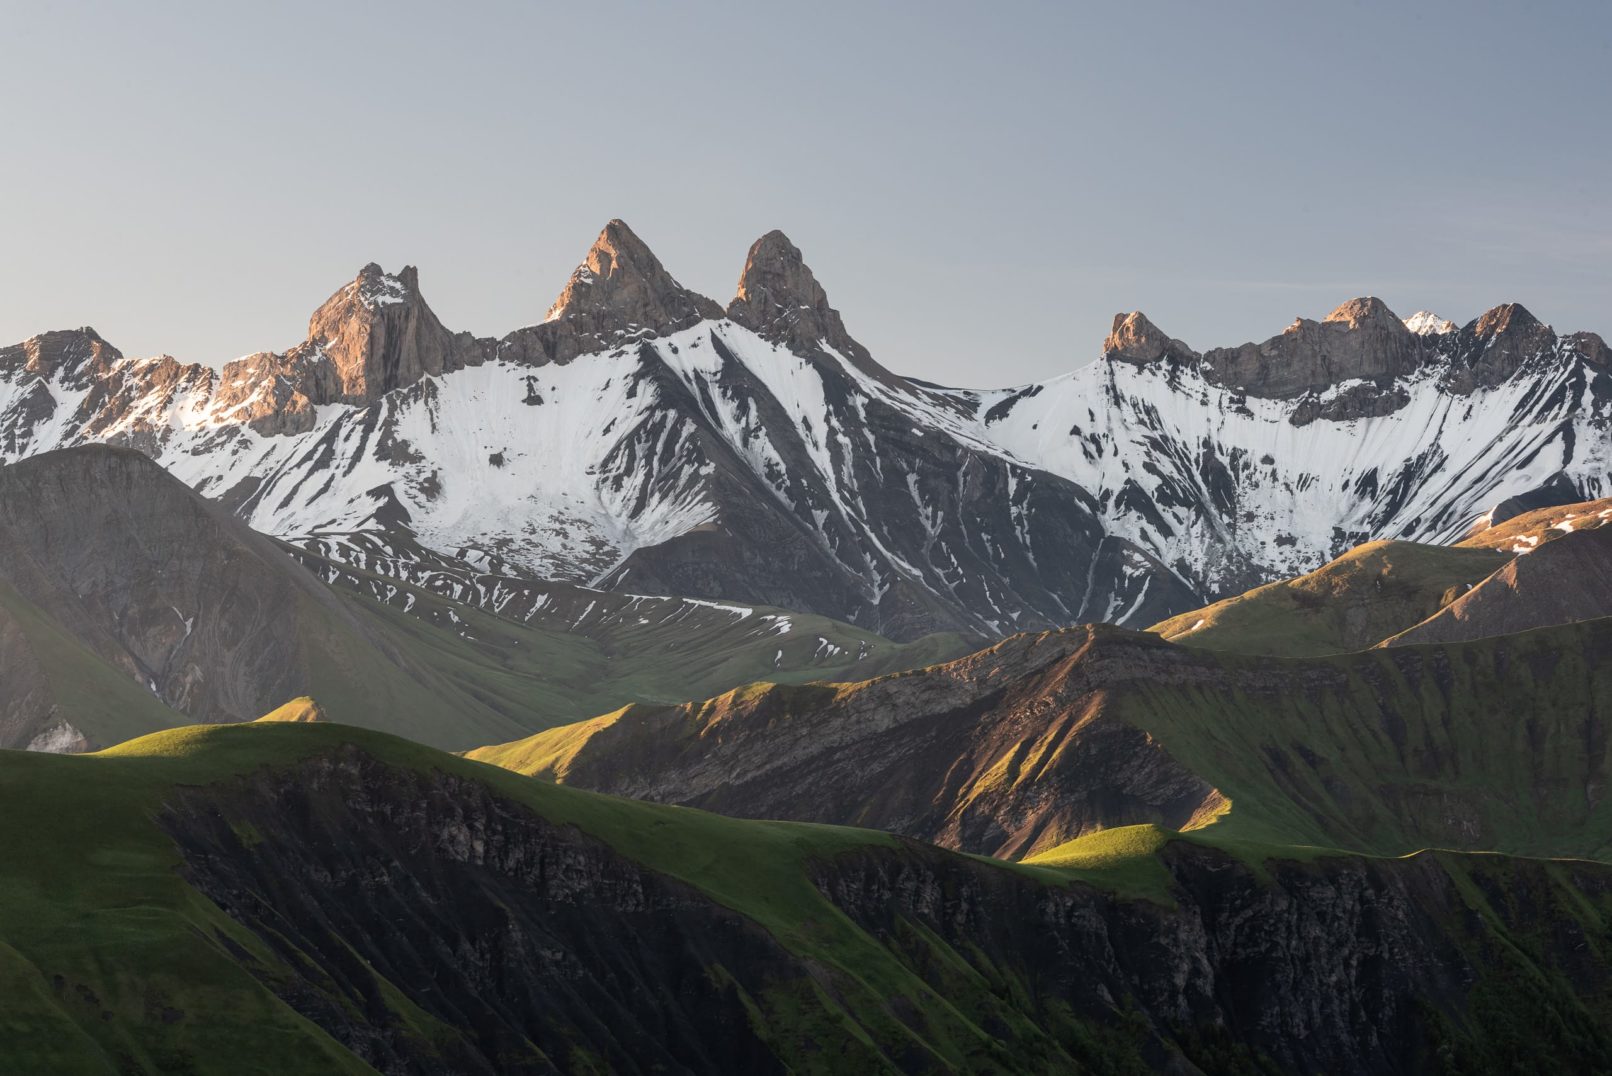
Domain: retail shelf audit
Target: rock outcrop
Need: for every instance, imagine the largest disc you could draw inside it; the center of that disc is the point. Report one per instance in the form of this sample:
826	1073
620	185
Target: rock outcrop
1360	340
1137	340
1494	346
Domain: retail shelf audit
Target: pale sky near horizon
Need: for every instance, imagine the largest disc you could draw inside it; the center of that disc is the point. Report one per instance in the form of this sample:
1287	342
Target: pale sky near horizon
979	187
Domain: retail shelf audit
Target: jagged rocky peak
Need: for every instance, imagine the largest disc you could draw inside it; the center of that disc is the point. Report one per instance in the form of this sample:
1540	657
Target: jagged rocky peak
1137	340
60	352
621	289
1361	340
1507	319
379	335
1495	345
1427	323
780	299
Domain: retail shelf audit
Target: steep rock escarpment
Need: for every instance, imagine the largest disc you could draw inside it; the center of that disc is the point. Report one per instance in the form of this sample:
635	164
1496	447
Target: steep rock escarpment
530	947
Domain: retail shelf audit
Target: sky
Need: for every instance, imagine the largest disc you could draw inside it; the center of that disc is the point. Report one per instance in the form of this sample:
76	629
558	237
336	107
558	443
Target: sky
979	187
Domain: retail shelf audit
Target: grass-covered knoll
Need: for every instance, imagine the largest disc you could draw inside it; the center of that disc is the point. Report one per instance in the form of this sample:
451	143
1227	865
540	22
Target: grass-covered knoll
1371	592
302	709
1521	534
862	952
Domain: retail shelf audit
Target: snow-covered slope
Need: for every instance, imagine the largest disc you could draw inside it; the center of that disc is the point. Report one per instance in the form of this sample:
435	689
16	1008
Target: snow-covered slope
643	439
1235	489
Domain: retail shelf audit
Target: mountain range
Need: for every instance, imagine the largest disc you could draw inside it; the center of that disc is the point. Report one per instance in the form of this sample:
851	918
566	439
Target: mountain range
1230	711
642	439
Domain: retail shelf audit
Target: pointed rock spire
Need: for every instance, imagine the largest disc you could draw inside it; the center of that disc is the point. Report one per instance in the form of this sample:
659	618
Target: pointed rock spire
780	299
621	288
1503	320
1137	340
380	335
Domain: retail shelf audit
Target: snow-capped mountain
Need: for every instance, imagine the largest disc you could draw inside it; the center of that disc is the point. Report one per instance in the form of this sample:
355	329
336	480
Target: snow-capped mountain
1246	464
642	438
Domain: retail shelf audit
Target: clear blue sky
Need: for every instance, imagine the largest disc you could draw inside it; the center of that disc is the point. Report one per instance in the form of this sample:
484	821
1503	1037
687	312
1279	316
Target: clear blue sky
979	186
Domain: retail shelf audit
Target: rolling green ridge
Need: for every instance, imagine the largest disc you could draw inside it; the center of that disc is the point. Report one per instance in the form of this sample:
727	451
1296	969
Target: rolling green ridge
1373	591
1496	744
115	960
127	600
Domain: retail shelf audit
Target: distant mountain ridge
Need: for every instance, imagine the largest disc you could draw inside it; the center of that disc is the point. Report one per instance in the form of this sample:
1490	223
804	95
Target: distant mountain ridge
644	439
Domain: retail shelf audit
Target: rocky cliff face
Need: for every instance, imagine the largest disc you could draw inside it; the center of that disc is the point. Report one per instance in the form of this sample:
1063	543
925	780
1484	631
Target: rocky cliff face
780	299
534	947
1135	339
378	334
620	294
1360	340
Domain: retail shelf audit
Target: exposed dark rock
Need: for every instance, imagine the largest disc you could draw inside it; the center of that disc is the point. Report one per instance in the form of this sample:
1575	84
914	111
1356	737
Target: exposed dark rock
536	948
378	334
1494	346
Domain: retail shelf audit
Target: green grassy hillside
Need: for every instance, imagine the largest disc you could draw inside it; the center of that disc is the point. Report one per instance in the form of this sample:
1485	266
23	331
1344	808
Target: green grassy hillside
1371	592
1496	744
114	961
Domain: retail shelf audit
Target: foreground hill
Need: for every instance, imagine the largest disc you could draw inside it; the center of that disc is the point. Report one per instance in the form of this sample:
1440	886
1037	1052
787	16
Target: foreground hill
128	603
282	897
1497	744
